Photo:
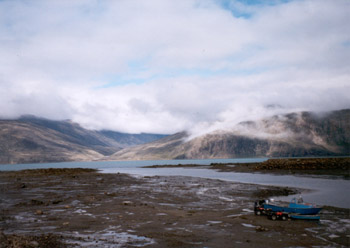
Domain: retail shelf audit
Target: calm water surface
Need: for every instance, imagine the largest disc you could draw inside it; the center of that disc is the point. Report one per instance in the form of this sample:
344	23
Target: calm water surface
104	165
325	191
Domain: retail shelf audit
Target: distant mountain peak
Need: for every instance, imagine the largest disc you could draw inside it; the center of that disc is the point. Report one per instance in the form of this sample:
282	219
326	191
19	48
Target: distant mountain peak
31	139
34	139
288	135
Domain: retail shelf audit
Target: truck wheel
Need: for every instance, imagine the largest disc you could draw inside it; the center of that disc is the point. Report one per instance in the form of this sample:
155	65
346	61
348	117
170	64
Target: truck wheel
284	217
273	217
258	212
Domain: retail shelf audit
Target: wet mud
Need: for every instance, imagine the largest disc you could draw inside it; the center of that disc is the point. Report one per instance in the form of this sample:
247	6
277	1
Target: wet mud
83	208
337	166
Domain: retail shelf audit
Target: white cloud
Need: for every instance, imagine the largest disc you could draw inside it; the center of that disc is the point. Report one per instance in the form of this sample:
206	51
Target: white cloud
165	66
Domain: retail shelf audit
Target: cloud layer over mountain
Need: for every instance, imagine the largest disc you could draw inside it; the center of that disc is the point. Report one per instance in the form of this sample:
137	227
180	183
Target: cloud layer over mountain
165	66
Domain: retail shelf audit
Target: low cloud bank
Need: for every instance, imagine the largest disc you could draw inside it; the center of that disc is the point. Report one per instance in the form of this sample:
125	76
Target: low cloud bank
162	67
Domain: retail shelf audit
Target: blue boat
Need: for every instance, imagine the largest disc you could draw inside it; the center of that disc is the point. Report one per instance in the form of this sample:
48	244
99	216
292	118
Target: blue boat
296	206
305	217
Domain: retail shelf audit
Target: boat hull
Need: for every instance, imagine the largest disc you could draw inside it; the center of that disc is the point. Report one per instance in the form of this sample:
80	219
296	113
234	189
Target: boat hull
298	210
304	217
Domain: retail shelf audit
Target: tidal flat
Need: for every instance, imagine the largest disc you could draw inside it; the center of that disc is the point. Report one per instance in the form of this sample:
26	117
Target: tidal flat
85	208
326	166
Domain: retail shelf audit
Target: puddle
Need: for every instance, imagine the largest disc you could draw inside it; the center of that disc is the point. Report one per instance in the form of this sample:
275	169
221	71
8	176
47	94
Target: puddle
233	215
80	211
214	222
83	212
225	198
247	210
248	225
108	238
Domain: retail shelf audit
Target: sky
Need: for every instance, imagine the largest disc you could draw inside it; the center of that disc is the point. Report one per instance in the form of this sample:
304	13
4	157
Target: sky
164	66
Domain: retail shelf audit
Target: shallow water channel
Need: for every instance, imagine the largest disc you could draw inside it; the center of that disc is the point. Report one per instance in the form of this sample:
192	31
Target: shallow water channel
330	191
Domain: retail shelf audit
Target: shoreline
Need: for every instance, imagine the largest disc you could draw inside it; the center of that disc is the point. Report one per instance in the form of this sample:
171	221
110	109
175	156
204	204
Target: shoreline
335	166
82	207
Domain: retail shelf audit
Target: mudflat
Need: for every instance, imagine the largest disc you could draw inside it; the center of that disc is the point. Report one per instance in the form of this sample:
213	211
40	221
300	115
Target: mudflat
336	166
84	208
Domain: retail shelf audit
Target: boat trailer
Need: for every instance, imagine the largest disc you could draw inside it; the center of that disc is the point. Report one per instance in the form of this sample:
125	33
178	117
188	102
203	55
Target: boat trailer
260	209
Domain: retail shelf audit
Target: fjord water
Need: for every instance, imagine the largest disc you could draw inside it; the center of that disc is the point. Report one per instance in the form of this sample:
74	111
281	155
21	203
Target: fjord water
324	190
110	165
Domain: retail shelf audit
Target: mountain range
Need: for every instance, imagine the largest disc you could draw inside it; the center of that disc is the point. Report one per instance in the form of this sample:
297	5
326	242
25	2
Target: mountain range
290	135
32	140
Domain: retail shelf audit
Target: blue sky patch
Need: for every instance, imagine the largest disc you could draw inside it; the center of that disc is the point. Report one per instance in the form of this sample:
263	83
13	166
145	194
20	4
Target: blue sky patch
243	8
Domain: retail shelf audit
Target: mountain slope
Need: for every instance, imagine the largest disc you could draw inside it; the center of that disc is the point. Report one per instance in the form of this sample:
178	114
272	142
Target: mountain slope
31	140
103	140
75	134
25	143
126	139
295	134
166	148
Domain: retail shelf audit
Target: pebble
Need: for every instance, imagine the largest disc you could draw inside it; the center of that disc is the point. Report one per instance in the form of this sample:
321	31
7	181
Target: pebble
34	244
39	212
261	229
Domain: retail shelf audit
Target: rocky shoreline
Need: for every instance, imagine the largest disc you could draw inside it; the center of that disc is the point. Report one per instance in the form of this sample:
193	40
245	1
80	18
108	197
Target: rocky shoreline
84	208
338	166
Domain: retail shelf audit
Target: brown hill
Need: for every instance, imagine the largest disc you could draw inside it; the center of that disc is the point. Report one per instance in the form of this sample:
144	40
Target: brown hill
291	135
33	140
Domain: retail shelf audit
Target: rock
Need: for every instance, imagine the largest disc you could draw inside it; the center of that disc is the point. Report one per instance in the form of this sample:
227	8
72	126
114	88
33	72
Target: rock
3	240
39	212
36	202
126	203
34	244
261	229
110	194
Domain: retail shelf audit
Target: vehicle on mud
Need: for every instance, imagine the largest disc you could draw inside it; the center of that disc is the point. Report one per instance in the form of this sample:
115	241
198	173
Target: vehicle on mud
259	207
297	209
